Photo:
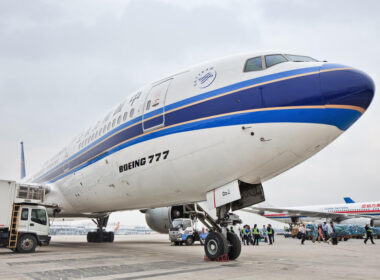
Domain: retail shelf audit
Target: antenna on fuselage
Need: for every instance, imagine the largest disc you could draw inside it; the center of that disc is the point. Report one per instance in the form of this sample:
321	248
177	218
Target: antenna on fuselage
22	161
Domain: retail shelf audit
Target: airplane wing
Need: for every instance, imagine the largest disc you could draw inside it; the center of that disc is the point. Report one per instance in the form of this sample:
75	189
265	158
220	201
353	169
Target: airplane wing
299	212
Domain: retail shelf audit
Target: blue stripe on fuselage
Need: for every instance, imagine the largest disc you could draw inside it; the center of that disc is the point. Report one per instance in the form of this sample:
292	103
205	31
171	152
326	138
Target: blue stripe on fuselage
275	116
279	94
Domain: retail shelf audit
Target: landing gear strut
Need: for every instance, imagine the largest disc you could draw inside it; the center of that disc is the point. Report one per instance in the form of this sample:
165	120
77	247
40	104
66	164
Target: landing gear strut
219	242
100	235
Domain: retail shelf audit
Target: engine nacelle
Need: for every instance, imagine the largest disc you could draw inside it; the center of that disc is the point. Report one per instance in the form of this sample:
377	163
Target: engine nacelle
375	223
160	219
358	221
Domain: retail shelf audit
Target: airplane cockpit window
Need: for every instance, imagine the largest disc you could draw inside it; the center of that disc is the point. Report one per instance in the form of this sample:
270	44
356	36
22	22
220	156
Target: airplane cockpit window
300	58
274	59
253	64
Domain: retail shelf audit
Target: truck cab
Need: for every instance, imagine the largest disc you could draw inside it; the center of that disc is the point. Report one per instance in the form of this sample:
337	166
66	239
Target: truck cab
183	231
34	220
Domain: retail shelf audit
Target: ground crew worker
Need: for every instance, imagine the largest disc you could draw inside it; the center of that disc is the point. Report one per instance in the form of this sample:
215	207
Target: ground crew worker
368	231
232	230
265	234
270	234
302	230
241	232
246	233
256	235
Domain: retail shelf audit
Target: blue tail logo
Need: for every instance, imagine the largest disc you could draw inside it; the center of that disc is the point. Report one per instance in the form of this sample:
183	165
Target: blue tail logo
22	161
348	200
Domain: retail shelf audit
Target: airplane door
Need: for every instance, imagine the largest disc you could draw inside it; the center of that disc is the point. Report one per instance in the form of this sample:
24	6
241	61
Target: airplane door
154	106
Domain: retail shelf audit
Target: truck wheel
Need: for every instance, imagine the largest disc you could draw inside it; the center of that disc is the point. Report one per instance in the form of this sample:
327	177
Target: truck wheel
234	247
189	241
26	244
216	245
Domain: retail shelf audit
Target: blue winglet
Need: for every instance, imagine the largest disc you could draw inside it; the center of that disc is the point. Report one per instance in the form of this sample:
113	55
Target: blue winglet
348	200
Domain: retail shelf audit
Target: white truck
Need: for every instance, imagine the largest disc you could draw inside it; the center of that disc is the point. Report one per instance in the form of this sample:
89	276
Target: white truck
24	221
183	231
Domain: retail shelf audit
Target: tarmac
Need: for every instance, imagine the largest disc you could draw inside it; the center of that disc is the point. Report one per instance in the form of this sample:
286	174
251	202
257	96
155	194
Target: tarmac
152	257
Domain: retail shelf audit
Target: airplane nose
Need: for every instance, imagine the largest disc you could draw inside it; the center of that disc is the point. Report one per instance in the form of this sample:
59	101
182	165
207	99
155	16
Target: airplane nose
342	85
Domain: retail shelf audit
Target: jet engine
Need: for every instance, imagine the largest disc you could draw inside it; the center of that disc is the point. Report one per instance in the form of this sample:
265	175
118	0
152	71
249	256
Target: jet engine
160	219
375	223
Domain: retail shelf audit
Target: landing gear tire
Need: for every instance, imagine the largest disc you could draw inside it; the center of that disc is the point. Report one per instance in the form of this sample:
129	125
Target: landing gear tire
26	244
189	241
108	236
216	245
99	237
91	236
234	247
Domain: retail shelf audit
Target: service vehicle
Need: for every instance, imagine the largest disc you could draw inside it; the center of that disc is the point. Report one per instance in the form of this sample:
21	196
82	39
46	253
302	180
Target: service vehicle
184	231
24	221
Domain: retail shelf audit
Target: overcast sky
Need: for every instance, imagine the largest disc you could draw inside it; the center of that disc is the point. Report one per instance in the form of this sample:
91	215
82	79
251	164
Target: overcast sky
65	63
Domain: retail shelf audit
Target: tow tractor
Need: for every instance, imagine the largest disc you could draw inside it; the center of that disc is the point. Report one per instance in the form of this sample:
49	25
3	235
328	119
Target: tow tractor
24	221
184	231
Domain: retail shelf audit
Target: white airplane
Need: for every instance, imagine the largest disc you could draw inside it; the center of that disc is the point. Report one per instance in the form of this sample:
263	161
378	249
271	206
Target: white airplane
361	213
213	132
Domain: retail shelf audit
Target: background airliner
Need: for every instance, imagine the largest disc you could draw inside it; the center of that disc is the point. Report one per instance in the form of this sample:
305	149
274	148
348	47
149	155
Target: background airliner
211	132
360	213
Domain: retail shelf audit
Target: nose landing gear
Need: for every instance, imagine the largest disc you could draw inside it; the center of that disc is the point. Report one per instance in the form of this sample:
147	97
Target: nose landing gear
220	242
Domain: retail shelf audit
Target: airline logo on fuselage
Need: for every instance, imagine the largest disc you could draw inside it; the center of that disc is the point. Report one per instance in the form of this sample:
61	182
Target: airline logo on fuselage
205	78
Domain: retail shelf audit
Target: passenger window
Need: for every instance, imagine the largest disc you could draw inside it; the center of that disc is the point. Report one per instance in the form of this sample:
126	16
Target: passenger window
148	105
39	216
96	134
118	119
108	126
24	214
113	122
104	128
253	64
131	113
274	59
125	116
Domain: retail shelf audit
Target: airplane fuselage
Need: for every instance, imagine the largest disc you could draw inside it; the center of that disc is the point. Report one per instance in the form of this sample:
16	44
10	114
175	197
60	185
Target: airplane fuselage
370	209
177	138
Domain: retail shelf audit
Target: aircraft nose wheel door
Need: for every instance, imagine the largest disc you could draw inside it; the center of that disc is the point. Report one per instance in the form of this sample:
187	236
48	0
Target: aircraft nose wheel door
154	106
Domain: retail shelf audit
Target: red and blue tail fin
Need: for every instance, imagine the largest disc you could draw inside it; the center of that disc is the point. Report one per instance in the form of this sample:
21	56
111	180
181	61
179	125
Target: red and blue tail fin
23	174
348	200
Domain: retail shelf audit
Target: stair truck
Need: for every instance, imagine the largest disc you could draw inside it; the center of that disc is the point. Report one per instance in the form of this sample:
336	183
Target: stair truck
24	221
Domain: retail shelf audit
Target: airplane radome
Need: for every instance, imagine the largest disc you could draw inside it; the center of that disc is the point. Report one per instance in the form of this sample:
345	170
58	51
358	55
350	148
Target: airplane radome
211	133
